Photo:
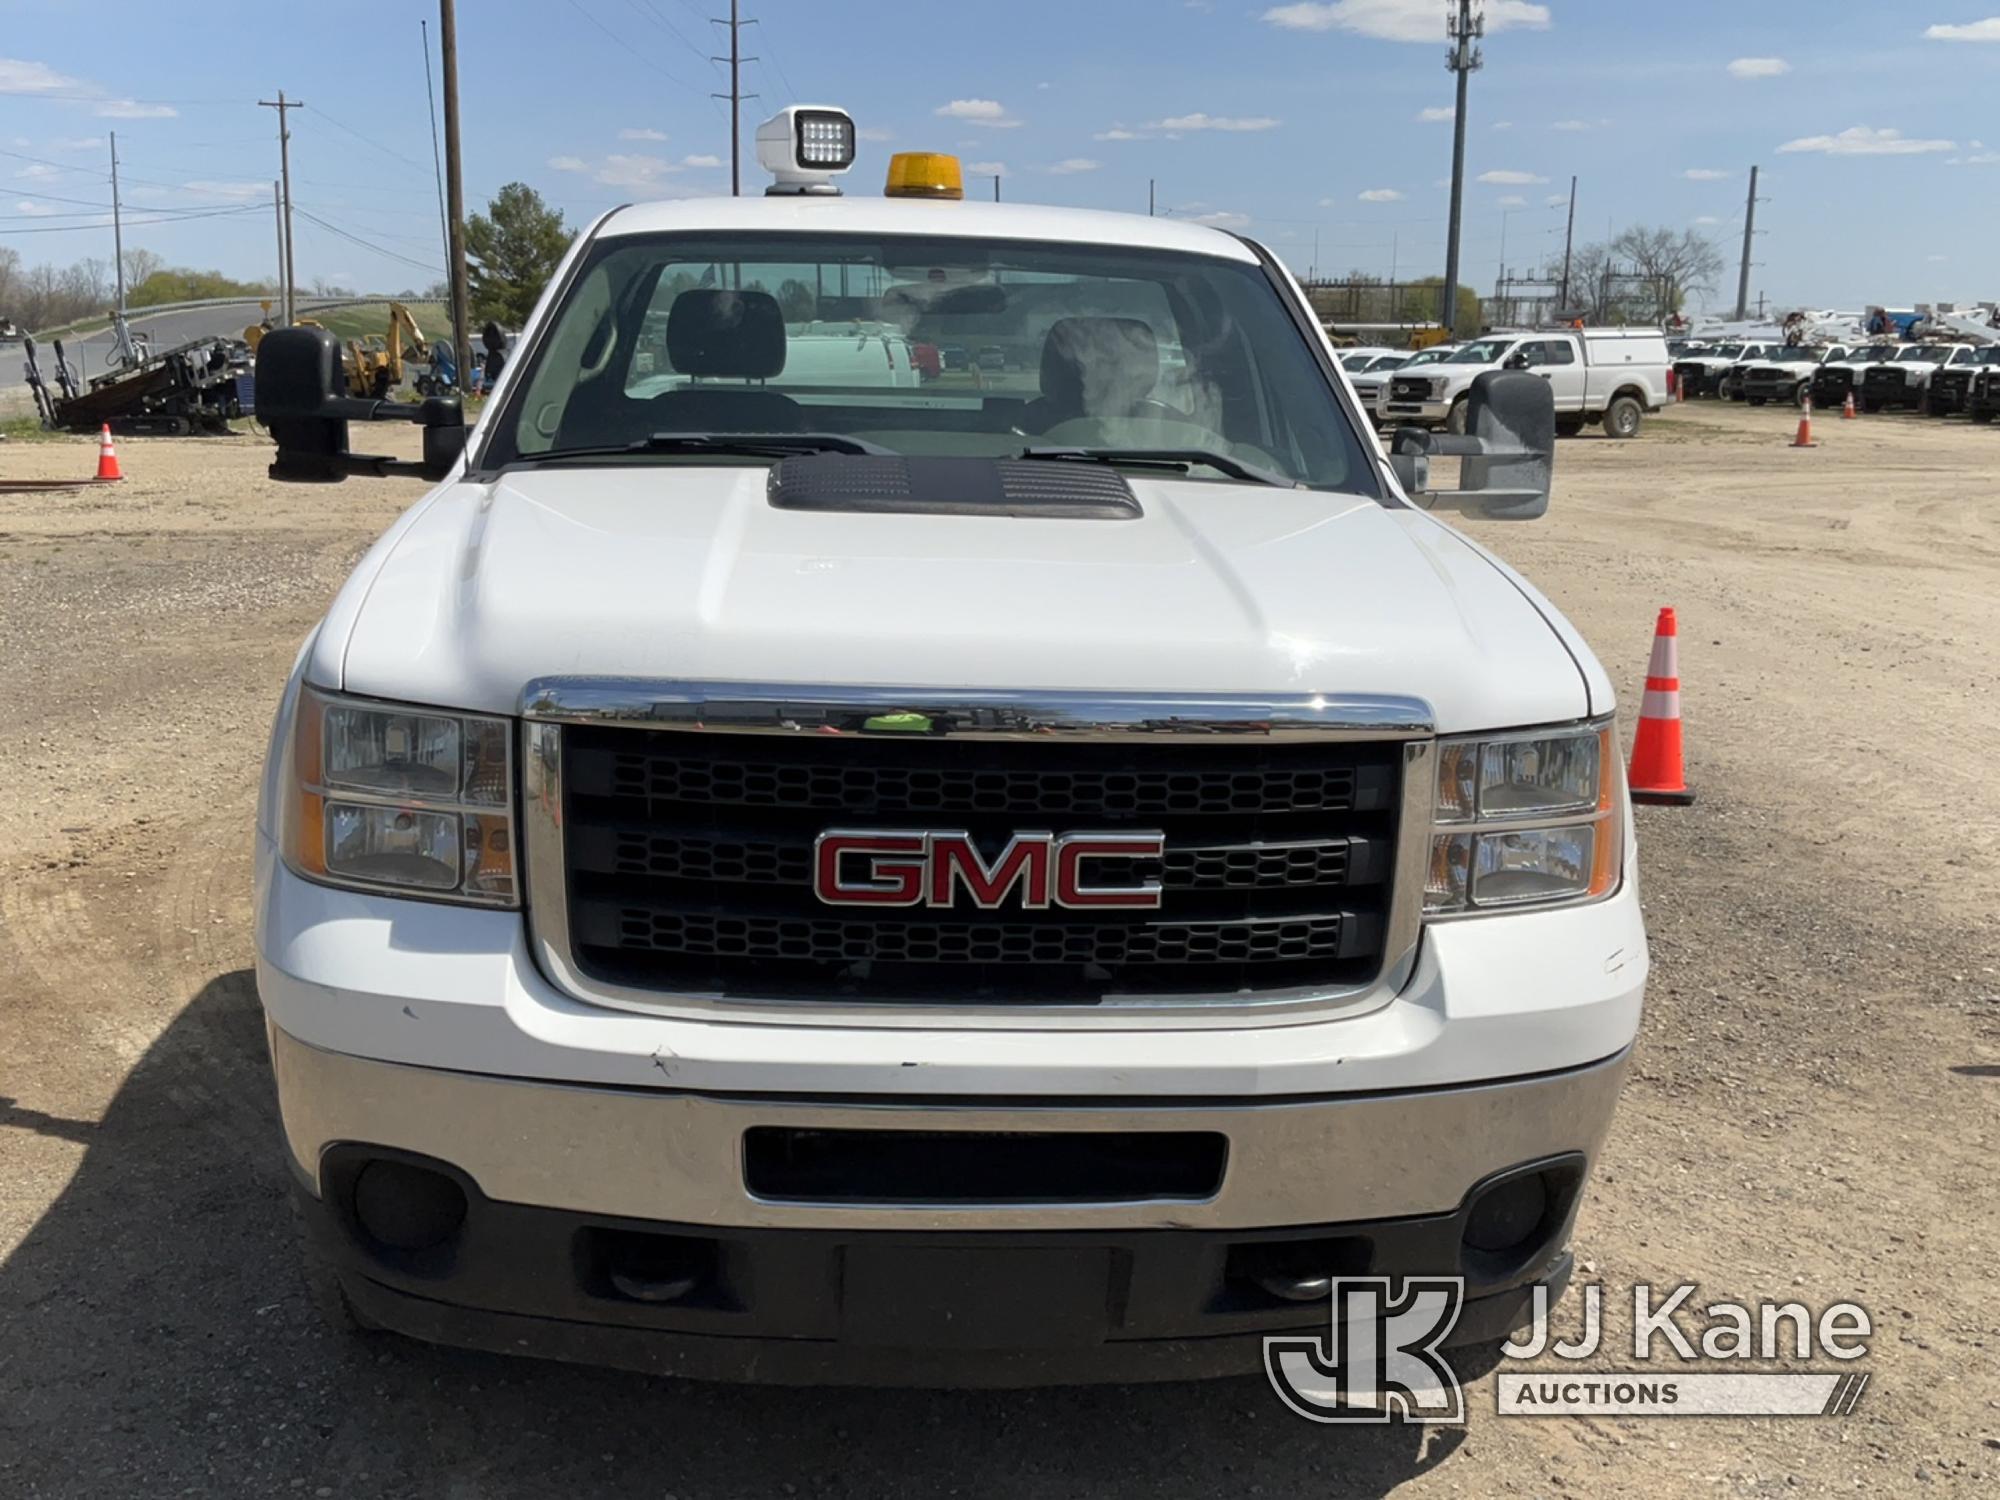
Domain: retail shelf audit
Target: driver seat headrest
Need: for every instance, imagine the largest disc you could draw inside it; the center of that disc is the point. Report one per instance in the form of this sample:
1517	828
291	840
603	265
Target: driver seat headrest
1099	366
731	334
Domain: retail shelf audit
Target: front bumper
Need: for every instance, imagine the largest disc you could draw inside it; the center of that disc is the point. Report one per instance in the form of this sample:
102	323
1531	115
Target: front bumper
1415	411
621	1226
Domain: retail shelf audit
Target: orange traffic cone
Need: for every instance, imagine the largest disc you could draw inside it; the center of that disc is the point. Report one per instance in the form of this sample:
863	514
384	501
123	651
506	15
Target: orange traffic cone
1804	439
107	457
1847	408
1657	775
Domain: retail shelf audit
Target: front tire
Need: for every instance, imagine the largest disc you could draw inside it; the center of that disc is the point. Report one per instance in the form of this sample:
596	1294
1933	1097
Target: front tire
1569	427
1455	419
1760	400
1623	417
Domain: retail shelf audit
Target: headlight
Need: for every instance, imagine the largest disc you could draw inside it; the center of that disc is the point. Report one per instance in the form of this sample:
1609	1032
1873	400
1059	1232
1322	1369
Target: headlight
391	798
1526	820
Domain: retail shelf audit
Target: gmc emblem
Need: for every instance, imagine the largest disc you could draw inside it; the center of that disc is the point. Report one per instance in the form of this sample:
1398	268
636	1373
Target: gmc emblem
878	867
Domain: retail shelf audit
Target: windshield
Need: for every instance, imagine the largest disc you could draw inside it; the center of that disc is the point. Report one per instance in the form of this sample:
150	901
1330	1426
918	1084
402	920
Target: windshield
1726	351
936	347
1485	352
1429	356
1792	354
1358	361
1922	353
1873	352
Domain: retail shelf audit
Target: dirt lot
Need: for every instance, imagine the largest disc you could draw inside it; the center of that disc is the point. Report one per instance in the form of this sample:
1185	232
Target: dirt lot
1812	1113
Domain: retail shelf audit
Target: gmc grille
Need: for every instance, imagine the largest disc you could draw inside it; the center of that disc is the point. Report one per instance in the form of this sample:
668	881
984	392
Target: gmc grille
689	864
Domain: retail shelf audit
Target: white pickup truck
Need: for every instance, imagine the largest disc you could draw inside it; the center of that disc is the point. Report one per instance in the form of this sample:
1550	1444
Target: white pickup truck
1609	375
1902	382
996	882
1785	374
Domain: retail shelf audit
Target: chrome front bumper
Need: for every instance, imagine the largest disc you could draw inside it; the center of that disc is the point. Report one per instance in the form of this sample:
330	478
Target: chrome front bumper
677	1156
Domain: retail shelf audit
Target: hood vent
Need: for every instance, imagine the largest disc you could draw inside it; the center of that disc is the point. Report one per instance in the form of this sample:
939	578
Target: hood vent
895	485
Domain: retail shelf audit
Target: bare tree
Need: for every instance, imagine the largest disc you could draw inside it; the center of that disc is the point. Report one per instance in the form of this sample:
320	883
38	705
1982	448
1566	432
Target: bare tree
141	263
1677	262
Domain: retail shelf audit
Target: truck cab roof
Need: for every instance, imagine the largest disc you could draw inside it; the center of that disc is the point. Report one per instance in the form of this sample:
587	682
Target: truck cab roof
815	214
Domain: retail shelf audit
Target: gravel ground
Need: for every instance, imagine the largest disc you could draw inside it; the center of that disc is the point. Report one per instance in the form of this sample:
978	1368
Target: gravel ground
1811	1114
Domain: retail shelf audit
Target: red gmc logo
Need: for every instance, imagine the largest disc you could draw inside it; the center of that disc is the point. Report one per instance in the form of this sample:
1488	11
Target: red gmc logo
876	867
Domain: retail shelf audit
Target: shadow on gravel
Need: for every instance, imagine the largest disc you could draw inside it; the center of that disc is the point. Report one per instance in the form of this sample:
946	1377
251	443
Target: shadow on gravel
158	1340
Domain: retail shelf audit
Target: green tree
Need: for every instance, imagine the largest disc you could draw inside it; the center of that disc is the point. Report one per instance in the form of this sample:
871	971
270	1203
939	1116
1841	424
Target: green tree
513	249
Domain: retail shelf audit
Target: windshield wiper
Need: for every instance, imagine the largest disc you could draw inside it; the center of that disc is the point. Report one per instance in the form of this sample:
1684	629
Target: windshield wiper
1166	458
726	444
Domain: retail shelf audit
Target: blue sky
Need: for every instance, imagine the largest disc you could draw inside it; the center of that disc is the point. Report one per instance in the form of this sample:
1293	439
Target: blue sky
1321	122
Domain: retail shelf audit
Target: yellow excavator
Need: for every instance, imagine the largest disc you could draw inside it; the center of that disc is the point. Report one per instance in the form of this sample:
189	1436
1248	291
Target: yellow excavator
373	366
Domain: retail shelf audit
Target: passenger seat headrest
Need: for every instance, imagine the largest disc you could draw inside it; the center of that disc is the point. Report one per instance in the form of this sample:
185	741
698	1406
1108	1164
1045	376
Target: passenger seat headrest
1100	366
714	331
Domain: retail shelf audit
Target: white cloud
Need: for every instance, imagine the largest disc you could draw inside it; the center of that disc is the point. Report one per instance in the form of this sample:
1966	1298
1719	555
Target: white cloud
132	109
76	143
1513	200
240	190
1555	200
701	160
1987	30
569	164
1976	159
1503	124
875	133
1707	219
33	209
1200	121
1706	174
1864	140
39	169
1398	20
1937	259
987	169
1221	220
1758	67
19	76
1073	165
1510	179
634	171
1380	195
988	112
641	133
1577	125
1120	133
1436	114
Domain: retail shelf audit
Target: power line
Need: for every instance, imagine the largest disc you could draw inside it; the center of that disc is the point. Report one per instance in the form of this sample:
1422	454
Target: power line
216	213
367	140
625	46
366	244
647	8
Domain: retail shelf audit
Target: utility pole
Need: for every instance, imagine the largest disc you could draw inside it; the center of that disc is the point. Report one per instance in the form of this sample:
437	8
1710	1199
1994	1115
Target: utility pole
285	174
1465	28
996	187
454	192
117	227
278	214
735	96
1569	243
1749	229
1150	184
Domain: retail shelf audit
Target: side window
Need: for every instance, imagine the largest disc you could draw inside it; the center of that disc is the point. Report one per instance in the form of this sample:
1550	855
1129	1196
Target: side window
1558	352
1532	354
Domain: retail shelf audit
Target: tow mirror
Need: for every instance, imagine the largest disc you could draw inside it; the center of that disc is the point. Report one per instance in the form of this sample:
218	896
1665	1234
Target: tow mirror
1506	456
301	397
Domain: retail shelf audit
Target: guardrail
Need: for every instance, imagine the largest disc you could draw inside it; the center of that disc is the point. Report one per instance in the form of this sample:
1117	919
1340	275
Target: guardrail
136	315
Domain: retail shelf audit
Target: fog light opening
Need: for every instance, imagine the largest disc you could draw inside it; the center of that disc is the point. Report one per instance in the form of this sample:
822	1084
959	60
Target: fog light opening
1507	1215
657	1269
1298	1270
407	1208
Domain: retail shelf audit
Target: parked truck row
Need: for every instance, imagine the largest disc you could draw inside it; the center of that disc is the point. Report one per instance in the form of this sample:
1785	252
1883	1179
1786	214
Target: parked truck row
1938	379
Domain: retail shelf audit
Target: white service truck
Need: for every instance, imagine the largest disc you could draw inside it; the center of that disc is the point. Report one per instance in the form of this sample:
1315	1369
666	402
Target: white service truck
1021	878
1902	382
1785	374
1609	375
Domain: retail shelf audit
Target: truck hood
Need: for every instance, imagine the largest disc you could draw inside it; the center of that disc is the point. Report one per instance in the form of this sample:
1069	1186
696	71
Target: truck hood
688	572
